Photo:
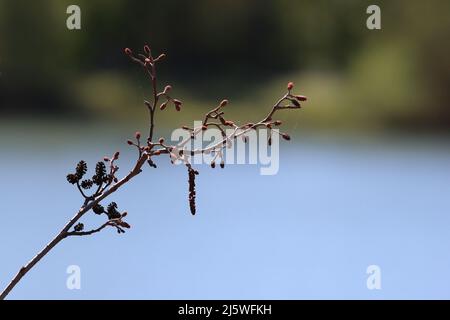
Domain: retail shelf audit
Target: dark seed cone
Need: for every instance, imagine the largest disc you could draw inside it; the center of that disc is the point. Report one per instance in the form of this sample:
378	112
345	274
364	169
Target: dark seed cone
86	184
192	194
79	227
112	212
98	209
81	169
72	178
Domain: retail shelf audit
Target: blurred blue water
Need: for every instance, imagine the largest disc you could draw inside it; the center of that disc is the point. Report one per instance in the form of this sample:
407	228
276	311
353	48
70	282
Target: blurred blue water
334	208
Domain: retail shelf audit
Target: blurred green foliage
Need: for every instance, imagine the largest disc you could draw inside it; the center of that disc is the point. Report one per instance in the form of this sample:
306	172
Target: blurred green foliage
394	78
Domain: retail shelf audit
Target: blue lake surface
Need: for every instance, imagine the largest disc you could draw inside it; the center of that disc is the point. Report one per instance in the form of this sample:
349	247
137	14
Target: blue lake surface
335	207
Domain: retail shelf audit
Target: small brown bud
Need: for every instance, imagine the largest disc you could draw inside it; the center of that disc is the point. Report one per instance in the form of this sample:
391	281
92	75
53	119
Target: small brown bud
268	125
278	123
167	88
157	153
137	135
177	107
106	159
290	86
116	155
286	136
161	140
301	98
163	105
213	164
147	49
161	56
177	102
223	103
222	164
130	142
116	180
128	51
229	123
204	127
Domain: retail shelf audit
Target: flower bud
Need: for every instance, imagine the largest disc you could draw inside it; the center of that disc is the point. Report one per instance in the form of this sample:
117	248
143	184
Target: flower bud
161	56
161	140
290	86
163	105
128	51
106	159
286	136
229	123
130	142
224	103
204	127
147	49
278	123
301	98
116	155
137	135
177	102
213	164
222	164
167	88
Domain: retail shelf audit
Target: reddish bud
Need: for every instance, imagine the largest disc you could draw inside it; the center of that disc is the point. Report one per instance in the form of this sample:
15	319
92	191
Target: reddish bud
177	104
161	56
128	51
167	88
106	159
163	105
278	123
161	140
268	125
116	155
204	128
137	135
301	98
229	123
157	153
224	103
147	49
130	142
286	136
290	86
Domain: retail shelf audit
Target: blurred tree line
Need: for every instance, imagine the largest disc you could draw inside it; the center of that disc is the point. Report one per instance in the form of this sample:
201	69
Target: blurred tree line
396	77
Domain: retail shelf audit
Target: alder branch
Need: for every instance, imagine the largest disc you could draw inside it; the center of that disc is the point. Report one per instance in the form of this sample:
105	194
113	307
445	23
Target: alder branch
107	182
